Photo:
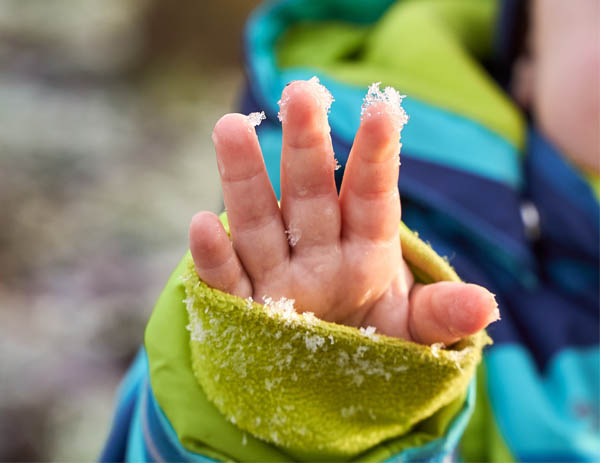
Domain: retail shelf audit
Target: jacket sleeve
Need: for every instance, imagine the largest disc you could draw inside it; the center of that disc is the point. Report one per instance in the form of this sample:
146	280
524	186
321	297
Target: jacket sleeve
231	379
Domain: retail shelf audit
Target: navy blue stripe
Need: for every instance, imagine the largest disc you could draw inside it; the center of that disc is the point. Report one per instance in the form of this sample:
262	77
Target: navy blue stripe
488	208
569	213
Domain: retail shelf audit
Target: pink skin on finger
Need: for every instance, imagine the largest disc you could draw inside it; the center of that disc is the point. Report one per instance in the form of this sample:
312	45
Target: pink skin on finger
256	226
447	311
309	199
215	260
338	257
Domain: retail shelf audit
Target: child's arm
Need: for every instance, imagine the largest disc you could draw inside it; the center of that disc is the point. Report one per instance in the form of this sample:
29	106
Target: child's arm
339	257
230	379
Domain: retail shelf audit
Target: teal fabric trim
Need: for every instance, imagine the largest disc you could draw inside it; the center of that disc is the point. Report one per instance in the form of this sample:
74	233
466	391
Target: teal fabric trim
445	446
432	134
139	446
172	436
435	449
135	444
562	402
264	27
486	154
270	143
132	380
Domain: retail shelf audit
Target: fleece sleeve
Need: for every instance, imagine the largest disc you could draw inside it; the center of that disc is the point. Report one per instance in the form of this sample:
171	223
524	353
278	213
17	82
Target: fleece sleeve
231	379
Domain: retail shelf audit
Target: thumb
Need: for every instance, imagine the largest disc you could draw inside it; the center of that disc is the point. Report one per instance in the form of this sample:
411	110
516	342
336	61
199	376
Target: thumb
448	311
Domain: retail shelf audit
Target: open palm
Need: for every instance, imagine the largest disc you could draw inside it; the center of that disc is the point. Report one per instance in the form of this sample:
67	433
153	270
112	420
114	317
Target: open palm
337	256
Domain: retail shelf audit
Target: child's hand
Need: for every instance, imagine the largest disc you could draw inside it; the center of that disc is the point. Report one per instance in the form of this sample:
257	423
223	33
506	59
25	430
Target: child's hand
338	257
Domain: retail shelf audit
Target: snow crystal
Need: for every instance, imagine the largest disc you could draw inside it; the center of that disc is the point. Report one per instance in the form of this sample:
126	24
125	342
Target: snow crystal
458	355
357	379
435	348
390	97
369	332
495	315
256	118
343	359
313	342
284	307
360	352
279	418
249	302
371	414
323	96
197	332
309	318
293	236
275	437
270	384
347	412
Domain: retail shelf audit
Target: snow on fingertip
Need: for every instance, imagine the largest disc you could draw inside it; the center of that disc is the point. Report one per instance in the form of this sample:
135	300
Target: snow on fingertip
392	99
323	96
256	118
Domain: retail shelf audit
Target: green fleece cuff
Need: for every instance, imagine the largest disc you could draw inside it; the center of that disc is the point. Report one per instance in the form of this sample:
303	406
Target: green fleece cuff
297	386
305	384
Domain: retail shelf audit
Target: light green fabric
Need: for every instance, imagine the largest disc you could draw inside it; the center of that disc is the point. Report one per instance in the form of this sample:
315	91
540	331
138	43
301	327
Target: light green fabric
198	424
259	370
482	440
594	181
398	51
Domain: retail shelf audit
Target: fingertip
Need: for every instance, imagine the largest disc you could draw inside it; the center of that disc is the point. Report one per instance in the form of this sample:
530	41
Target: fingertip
302	100
234	130
378	128
448	311
237	147
205	235
214	258
387	101
470	309
303	112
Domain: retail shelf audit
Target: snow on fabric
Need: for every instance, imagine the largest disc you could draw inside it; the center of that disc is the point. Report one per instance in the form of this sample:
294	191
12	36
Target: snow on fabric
305	371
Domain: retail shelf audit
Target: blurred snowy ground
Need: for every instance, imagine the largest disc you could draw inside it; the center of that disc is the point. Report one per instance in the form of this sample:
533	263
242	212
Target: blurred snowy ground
106	110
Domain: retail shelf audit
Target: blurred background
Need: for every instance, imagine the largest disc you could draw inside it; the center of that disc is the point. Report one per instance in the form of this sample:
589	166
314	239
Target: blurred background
106	110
